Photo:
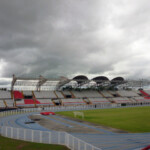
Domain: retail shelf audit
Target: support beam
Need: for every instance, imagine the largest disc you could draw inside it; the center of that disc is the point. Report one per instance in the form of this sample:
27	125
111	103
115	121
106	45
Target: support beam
62	82
83	83
13	82
42	80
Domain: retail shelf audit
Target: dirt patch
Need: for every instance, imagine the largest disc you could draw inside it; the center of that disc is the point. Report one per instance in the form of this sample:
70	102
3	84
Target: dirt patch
21	146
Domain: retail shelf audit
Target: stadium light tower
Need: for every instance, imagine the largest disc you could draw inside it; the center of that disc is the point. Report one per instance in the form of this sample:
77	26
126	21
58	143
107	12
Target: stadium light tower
42	80
14	79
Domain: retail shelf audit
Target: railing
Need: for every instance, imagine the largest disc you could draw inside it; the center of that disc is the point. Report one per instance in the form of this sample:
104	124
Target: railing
61	138
69	108
58	108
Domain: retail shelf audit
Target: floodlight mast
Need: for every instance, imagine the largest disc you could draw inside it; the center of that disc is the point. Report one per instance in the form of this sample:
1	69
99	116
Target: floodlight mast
41	81
14	79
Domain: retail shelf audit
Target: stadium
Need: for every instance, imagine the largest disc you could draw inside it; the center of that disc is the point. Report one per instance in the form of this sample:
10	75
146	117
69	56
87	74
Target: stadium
74	75
53	111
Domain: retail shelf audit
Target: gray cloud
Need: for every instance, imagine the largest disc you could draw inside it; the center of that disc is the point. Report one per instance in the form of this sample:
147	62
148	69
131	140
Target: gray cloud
54	38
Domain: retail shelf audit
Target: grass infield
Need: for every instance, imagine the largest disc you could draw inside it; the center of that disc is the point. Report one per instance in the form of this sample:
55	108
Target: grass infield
11	144
135	119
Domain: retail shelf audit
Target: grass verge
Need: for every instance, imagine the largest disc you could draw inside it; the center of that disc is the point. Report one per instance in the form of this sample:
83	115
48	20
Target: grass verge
11	144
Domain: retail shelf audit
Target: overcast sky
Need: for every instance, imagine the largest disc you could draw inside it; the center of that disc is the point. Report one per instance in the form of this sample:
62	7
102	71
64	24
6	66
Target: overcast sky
71	37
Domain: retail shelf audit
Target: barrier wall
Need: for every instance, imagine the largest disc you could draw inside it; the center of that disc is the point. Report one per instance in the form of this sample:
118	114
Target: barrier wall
46	137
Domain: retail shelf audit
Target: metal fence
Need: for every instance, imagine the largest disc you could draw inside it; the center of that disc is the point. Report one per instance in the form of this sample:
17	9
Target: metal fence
69	108
58	108
61	138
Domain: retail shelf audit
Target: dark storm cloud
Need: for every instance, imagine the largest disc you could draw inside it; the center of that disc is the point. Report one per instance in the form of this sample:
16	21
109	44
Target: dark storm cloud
64	38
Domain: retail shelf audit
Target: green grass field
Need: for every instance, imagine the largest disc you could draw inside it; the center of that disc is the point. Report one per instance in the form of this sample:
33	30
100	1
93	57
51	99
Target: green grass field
11	144
135	119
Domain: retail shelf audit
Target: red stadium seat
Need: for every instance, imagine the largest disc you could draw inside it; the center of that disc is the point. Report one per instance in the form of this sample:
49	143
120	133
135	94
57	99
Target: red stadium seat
144	93
18	95
146	97
31	101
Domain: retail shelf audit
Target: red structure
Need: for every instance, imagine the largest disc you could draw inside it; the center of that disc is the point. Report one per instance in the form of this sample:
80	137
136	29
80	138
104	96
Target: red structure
31	101
18	95
146	148
47	113
144	93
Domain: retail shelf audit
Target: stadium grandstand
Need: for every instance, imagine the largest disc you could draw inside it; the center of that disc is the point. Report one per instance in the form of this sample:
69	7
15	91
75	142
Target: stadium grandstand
26	111
80	90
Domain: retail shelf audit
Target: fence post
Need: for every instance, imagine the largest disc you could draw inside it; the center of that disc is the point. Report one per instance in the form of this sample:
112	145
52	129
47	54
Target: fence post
32	135
24	134
72	142
85	146
11	132
92	147
67	139
40	136
6	131
17	133
78	144
50	141
58	137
